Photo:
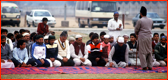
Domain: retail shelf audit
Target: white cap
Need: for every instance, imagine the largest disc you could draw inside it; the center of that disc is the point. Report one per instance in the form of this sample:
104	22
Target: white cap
71	38
78	36
25	34
46	37
120	39
106	36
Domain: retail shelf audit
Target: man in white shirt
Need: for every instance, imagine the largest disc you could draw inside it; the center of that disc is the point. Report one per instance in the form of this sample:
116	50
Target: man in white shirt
79	52
115	26
63	50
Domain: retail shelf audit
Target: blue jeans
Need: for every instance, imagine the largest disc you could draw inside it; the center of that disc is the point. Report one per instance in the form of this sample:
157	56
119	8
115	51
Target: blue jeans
39	64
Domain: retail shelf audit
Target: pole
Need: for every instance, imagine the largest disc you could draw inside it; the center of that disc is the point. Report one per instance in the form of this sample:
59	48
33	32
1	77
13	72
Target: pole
123	19
65	12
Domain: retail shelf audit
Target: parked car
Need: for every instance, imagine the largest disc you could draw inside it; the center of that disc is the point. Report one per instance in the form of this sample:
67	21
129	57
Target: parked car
157	21
35	17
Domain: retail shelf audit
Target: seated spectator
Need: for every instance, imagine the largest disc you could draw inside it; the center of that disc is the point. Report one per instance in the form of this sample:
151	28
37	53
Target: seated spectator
112	42
132	45
106	47
15	34
71	40
39	52
52	52
46	39
126	37
155	40
63	50
90	36
6	54
11	36
20	55
79	52
22	31
18	37
102	36
8	41
118	56
32	37
95	51
161	51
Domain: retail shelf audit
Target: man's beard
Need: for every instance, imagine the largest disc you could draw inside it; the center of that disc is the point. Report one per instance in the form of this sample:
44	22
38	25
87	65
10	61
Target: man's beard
40	43
163	43
3	43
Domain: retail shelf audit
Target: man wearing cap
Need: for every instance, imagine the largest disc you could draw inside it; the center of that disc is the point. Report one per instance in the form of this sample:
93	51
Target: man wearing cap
95	51
39	52
43	27
63	50
46	39
143	30
106	47
126	37
71	40
52	52
115	26
118	56
112	42
26	37
79	52
161	51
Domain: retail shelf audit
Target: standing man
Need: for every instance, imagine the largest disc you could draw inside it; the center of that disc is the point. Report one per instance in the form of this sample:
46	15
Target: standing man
43	27
79	52
115	26
143	30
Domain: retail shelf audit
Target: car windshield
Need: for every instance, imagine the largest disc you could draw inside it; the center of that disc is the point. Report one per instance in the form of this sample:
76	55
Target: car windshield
103	6
42	13
10	10
152	15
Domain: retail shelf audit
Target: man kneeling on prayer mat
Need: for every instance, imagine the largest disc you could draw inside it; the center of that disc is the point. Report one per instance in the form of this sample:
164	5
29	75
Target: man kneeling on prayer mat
118	56
6	54
63	50
52	52
95	52
79	52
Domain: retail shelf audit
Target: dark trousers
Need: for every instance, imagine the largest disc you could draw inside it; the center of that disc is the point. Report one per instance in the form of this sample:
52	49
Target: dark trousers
39	64
101	62
68	63
16	62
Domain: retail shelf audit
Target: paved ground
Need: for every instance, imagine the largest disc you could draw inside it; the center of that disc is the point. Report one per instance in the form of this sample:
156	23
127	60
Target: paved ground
73	24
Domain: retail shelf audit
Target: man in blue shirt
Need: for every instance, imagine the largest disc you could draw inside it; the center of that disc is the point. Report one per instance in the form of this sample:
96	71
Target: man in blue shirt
20	56
39	52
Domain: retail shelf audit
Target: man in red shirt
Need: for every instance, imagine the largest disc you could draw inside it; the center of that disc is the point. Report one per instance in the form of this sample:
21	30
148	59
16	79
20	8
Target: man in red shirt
43	27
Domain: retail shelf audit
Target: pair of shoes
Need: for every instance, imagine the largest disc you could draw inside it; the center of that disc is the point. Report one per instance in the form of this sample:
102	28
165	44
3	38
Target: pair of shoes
149	68
145	68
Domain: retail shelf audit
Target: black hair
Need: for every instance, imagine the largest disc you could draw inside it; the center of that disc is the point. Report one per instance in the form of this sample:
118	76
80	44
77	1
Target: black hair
27	31
143	11
16	32
162	34
133	34
20	42
32	35
155	34
4	30
95	35
19	36
64	33
34	38
91	34
10	35
3	37
102	33
44	19
22	30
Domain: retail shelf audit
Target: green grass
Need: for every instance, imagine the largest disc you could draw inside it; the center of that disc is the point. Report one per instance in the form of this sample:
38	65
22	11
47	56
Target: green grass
87	76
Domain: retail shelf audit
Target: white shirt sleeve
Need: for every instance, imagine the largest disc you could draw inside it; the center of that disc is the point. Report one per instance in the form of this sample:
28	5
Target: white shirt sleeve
110	26
72	52
68	52
121	25
10	44
111	54
86	53
126	55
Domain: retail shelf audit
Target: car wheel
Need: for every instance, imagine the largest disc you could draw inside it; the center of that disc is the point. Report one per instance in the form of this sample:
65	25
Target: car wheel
33	24
99	26
161	27
52	26
80	25
13	25
28	24
153	27
18	25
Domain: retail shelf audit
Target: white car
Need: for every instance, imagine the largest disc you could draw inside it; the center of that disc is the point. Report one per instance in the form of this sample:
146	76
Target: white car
35	17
